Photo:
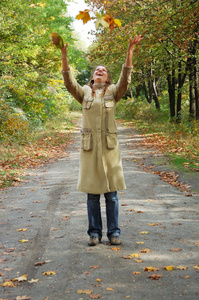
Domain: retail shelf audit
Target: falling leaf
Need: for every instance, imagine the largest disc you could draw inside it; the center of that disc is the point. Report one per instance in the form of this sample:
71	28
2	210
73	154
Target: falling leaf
48	273
84	16
155	276
100	20
110	289
88	292
150	269
24	241
21	278
169	268
92	296
115	248
94	267
22	229
154	224
146	250
144	232
8	283
175	250
118	22
136	273
182	267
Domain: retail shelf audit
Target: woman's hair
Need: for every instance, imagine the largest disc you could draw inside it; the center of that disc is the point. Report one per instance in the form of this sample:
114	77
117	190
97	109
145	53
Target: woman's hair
107	83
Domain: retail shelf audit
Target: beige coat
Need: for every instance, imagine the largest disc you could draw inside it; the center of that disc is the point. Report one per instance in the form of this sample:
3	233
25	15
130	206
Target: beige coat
100	162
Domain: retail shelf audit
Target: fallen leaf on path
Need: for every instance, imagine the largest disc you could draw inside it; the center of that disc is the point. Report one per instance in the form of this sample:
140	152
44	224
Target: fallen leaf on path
136	273
54	229
65	218
182	267
186	277
23	298
21	278
127	257
151	269
23	241
48	273
92	296
22	229
138	260
115	248
139	212
98	280
86	273
196	267
135	255
146	250
169	268
109	289
94	267
124	205
196	243
39	263
175	250
154	224
9	283
139	242
155	276
84	292
131	209
33	280
144	232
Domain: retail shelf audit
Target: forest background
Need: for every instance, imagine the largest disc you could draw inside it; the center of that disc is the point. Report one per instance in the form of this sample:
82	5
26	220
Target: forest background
37	113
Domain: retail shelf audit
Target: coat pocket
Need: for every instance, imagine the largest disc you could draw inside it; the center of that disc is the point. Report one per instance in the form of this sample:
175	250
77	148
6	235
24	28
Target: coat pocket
88	103
111	140
87	139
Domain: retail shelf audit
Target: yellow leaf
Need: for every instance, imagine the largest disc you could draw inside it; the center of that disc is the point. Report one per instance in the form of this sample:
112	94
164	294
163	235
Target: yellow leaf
118	22
176	250
48	273
8	284
84	16
150	269
138	260
154	224
139	242
110	289
144	232
84	292
21	278
196	267
136	273
22	229
33	280
98	280
169	268
135	255
92	296
24	241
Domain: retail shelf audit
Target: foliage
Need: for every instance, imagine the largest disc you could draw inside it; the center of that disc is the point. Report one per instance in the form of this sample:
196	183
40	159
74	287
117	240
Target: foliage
30	78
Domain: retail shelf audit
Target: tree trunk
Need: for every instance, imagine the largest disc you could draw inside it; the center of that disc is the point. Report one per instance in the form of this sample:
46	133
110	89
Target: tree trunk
171	90
181	80
155	94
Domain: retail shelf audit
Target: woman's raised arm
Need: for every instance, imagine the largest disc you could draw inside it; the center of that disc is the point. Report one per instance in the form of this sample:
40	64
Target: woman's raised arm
132	44
65	65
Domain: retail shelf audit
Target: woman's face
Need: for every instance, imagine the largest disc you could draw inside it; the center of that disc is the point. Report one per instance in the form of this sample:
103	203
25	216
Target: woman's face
100	75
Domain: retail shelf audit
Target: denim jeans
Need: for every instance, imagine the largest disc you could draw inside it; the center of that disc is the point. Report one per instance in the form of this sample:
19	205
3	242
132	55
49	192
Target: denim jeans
94	215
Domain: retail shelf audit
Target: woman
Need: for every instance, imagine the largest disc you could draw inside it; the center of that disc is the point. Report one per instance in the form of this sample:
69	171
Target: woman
100	163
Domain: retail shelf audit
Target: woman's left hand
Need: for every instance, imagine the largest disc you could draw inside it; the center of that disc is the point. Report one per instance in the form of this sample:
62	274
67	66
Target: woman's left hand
134	42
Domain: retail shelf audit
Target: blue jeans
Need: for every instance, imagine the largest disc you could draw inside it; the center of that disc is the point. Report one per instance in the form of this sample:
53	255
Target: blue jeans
94	215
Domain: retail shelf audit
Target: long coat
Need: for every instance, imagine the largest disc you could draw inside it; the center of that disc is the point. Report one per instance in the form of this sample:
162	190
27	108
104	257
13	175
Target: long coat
100	162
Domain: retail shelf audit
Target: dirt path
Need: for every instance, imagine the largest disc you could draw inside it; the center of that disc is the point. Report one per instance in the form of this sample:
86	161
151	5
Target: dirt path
159	227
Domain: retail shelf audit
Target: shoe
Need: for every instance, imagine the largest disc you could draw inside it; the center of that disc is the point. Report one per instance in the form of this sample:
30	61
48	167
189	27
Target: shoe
115	240
93	241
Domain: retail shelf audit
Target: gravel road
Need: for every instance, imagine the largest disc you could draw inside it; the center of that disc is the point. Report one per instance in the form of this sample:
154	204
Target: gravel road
43	226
